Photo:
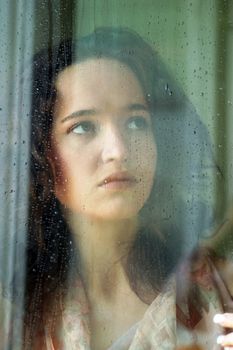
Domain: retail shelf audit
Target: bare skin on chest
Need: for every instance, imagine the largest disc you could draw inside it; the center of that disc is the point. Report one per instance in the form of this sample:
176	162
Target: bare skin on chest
112	316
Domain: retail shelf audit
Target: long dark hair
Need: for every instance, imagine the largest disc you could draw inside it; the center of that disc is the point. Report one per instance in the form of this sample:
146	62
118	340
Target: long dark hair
157	246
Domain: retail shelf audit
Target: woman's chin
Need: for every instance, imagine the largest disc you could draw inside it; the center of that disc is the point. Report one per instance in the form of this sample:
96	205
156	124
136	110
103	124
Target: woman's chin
112	212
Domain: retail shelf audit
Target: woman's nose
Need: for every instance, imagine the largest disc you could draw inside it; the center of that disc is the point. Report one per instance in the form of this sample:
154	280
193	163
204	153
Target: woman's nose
114	147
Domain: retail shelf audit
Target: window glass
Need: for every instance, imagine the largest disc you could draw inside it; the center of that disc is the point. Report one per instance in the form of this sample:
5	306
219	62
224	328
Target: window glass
116	174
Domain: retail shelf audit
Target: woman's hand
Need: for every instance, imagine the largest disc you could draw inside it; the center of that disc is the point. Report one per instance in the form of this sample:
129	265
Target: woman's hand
226	321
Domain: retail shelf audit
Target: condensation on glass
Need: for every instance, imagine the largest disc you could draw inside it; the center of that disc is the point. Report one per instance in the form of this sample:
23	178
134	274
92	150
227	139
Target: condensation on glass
116	174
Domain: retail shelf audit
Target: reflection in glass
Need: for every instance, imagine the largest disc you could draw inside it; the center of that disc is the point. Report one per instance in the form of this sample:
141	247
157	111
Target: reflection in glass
130	220
120	159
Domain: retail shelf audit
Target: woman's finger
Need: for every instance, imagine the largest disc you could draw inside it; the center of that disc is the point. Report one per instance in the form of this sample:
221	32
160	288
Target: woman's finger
225	320
225	340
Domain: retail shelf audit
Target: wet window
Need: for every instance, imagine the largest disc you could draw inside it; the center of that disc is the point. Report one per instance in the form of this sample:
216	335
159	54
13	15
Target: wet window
116	175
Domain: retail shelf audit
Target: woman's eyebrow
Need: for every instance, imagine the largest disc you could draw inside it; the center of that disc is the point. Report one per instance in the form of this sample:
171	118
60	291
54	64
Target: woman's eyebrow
92	112
81	113
137	107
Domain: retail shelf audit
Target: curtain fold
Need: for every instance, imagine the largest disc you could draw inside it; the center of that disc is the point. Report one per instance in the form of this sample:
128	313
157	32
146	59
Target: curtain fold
16	42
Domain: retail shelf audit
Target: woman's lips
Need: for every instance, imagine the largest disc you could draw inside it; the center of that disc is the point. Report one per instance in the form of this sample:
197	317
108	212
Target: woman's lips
118	181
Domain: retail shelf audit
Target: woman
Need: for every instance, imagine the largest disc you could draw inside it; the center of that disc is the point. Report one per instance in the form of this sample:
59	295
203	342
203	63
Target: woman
103	212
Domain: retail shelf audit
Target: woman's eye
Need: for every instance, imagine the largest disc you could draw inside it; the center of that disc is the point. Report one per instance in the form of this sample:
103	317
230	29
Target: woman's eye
137	123
83	128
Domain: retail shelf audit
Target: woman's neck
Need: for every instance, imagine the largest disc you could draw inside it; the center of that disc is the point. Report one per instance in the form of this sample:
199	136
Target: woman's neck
103	245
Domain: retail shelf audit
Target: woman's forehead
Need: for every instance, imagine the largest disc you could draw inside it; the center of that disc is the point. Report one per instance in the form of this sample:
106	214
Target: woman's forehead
98	82
101	67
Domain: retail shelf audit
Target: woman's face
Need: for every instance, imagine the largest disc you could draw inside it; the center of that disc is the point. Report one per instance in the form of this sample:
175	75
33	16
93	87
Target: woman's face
103	148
